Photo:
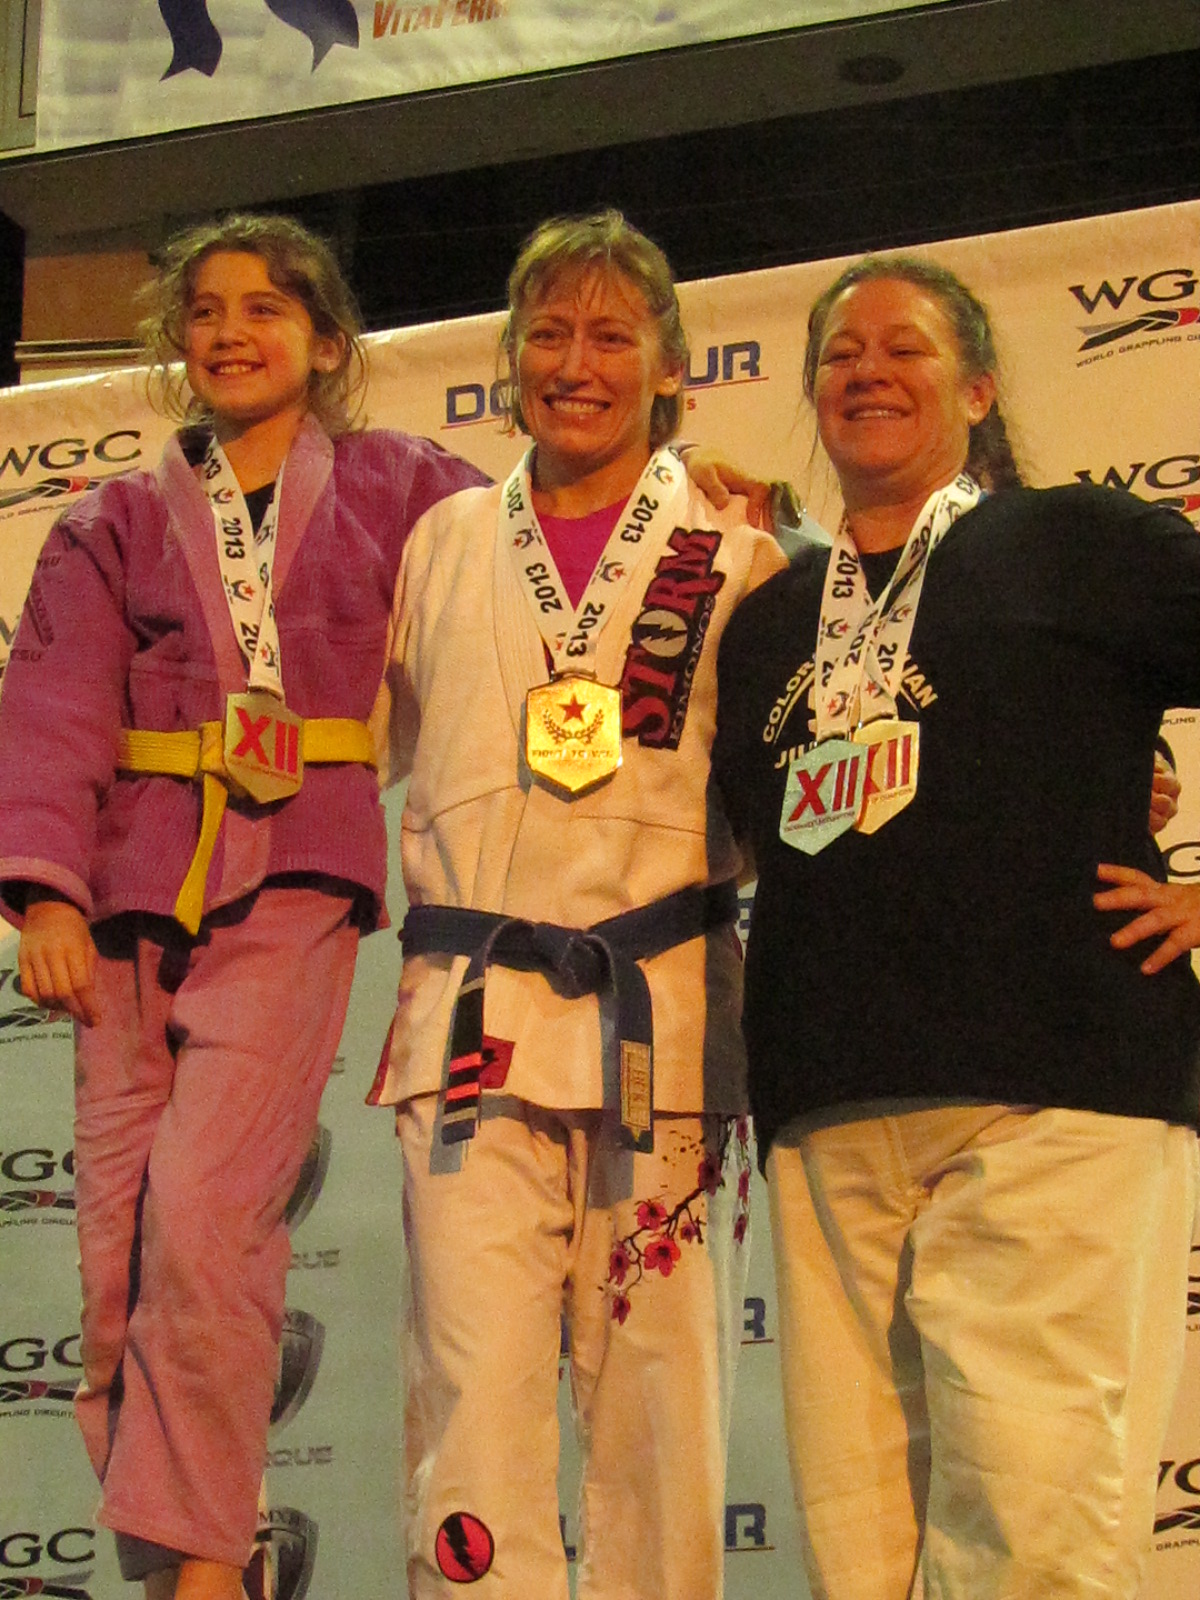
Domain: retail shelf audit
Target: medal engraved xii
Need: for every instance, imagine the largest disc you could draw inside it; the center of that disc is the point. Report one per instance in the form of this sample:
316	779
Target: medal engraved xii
264	755
823	795
893	751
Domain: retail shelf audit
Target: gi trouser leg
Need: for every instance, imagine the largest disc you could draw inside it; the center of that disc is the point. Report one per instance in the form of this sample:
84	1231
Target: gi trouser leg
653	1383
196	1101
547	1217
982	1314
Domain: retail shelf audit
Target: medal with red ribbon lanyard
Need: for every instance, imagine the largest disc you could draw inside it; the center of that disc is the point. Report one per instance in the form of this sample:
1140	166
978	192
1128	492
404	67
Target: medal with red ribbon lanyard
263	754
862	767
573	722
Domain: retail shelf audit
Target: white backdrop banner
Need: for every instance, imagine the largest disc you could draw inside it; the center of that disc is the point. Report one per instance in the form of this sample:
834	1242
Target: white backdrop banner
1099	325
116	69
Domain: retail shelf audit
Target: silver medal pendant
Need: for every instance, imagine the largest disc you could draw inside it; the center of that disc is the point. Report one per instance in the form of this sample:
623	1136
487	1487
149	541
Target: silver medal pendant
823	795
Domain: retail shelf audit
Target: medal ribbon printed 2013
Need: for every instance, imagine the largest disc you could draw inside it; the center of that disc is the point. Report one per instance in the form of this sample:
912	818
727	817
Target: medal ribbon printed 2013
862	767
247	561
574	743
263	740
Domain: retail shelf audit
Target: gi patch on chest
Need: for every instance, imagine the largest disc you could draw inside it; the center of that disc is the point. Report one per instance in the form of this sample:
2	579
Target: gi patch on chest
668	639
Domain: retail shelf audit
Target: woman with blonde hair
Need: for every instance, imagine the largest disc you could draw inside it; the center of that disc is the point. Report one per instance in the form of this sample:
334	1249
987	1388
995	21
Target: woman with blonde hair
565	1060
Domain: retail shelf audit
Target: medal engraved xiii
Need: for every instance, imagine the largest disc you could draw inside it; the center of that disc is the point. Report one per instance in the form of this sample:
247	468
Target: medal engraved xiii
893	752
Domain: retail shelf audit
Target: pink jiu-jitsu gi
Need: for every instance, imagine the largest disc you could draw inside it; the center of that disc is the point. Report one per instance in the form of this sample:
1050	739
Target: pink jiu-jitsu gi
197	1091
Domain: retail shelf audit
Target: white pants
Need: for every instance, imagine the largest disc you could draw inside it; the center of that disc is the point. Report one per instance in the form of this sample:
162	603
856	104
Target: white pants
644	1256
982	1315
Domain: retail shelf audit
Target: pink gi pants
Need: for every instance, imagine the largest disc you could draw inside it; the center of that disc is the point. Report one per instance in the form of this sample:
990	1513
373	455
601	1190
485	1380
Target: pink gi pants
196	1100
982	1315
547	1218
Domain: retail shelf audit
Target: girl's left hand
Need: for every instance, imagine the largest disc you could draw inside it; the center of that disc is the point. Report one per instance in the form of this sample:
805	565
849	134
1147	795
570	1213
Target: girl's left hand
1172	909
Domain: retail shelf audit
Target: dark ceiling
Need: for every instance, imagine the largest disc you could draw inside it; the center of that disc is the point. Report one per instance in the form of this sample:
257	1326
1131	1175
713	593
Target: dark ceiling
871	163
797	188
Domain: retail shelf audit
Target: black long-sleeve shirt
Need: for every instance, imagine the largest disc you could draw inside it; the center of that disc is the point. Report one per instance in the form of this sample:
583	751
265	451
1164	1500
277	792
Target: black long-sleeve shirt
956	952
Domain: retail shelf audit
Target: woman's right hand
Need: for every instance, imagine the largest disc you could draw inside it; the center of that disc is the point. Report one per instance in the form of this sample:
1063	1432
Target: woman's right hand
720	480
57	959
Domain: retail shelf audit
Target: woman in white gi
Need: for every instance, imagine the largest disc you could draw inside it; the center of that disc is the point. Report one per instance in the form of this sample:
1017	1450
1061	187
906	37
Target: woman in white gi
572	1128
974	1088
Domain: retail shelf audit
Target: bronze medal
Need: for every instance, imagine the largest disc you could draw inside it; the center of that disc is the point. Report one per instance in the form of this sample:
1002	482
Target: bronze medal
893	751
264	748
573	733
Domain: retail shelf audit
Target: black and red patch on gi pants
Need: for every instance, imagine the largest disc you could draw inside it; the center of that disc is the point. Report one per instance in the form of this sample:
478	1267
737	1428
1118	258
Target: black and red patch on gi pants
464	1548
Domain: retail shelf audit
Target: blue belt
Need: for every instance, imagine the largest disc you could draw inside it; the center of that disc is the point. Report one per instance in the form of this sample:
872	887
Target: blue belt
600	960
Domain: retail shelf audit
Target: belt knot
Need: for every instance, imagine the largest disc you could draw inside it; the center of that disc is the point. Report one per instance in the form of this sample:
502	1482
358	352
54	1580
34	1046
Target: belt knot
578	959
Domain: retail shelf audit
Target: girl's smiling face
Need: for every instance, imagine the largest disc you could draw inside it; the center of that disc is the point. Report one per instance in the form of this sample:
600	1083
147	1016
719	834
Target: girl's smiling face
250	347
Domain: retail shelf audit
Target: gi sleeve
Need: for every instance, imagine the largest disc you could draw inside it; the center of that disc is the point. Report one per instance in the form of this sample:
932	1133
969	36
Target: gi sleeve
396	718
64	689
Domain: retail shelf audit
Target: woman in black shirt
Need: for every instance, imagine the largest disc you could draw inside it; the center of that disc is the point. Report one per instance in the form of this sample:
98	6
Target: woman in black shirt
974	1083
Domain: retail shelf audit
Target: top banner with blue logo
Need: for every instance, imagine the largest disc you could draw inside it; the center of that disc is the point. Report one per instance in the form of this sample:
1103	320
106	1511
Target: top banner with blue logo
121	69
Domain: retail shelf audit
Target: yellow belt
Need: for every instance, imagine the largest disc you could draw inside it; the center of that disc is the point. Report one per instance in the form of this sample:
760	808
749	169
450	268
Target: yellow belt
200	753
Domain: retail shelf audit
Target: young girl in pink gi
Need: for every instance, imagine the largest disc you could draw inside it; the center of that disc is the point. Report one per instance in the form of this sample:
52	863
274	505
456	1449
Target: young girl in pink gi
195	901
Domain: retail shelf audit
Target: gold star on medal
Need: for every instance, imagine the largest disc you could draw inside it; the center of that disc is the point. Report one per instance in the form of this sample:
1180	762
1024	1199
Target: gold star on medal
571	709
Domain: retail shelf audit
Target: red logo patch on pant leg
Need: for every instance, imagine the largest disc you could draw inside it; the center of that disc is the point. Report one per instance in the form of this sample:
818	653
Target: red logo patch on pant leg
464	1548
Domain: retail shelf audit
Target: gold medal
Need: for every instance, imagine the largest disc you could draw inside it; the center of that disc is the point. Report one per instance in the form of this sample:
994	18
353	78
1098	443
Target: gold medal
573	733
264	754
891	781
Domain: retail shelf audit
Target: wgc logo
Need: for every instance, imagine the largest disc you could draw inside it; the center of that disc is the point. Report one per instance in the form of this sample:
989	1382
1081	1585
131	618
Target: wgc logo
61	460
1179	1477
1149	307
34	1372
55	1567
311	1180
31	1190
1172	481
299	1357
285	1553
19	1016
